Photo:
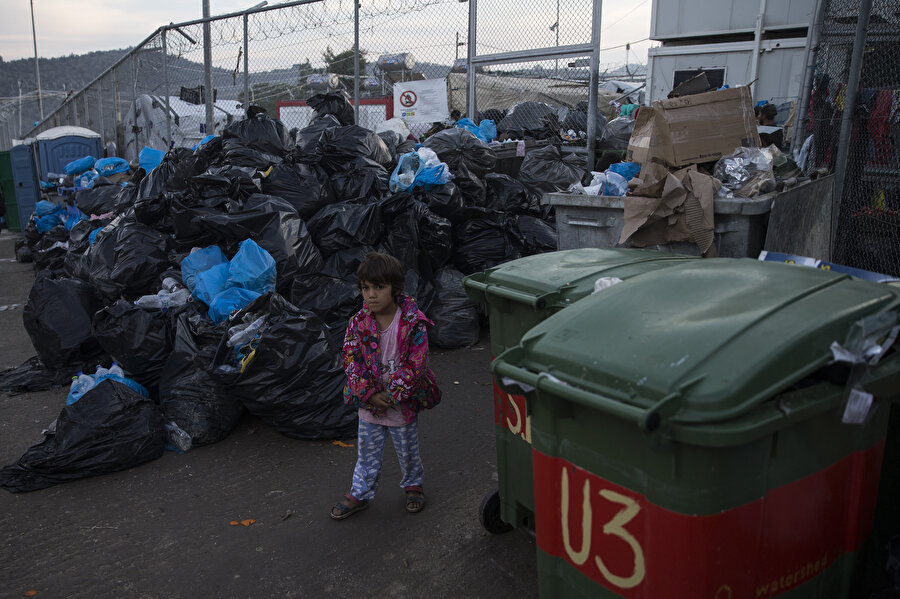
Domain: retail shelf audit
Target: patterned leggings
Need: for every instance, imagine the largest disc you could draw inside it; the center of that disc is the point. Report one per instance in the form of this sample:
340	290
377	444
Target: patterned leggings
370	450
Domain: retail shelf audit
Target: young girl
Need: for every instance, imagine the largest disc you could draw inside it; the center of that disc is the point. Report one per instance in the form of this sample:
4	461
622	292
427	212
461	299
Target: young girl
386	360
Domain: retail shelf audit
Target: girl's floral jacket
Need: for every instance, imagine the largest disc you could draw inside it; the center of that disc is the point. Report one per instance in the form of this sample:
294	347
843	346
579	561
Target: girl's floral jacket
412	386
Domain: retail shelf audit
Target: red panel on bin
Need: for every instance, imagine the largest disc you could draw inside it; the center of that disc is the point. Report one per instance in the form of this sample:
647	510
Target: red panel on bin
760	549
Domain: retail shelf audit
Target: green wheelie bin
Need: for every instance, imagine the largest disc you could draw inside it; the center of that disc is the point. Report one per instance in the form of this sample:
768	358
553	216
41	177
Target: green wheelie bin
518	295
715	429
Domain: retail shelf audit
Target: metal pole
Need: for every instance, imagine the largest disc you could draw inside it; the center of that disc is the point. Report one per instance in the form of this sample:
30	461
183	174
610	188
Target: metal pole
812	44
37	70
556	28
100	109
246	64
20	109
592	85
356	61
757	43
86	119
840	164
137	149
207	68
168	109
470	55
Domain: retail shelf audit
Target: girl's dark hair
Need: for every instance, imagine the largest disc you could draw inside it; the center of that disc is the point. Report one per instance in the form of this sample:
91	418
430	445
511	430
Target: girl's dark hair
381	269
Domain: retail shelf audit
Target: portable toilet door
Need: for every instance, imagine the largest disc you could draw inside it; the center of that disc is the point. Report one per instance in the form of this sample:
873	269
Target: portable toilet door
27	190
59	146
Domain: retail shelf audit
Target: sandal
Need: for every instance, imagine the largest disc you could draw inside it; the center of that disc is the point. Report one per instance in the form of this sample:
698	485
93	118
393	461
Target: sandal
347	506
415	501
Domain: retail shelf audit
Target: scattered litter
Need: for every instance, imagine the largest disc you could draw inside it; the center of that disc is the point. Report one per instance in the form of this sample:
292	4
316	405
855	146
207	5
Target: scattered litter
342	444
287	515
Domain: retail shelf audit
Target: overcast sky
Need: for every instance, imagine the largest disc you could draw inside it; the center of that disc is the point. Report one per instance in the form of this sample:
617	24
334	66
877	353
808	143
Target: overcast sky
65	27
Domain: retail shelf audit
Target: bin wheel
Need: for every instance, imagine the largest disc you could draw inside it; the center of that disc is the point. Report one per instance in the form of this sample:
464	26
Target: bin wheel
489	514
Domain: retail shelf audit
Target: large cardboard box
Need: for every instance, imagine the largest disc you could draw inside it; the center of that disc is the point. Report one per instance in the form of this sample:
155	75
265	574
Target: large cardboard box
693	129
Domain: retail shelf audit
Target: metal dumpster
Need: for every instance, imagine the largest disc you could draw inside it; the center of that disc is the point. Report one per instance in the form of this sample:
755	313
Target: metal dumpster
519	295
694	435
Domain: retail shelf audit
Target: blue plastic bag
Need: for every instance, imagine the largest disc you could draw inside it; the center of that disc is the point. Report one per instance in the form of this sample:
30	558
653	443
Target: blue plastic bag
111	166
92	238
471	127
210	283
43	208
203	141
86	179
45	223
198	261
404	176
76	167
488	130
616	184
629	170
229	300
135	386
73	216
150	158
252	268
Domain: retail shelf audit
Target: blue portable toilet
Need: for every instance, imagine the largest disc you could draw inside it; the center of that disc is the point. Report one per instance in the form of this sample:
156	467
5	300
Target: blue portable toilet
59	146
28	192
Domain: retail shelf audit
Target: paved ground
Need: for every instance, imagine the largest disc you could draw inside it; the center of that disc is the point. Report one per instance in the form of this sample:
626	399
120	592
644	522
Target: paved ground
162	530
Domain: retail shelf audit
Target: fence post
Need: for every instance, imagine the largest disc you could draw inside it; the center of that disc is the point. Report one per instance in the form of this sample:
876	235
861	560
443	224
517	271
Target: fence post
100	110
207	69
356	61
592	82
166	74
812	45
470	54
137	149
246	65
843	148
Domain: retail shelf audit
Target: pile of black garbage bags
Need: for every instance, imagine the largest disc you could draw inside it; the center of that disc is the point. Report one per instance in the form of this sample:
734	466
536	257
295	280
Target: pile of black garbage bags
317	202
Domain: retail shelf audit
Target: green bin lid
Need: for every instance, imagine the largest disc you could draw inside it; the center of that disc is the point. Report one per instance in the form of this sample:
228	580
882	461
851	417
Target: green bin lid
717	336
553	277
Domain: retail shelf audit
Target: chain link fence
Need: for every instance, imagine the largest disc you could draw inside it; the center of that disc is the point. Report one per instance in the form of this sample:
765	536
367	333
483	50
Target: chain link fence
276	57
864	152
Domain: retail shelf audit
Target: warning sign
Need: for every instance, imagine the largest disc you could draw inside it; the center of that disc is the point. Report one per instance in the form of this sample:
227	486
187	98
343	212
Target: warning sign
421	101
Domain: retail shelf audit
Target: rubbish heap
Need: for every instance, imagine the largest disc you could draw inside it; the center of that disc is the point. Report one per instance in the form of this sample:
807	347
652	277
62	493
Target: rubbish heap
221	281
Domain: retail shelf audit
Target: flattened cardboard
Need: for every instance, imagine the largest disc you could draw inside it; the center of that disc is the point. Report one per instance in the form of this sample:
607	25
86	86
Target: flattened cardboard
694	129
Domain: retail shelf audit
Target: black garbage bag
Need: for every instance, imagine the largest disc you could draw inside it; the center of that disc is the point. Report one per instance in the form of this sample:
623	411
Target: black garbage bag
535	235
260	133
277	228
345	262
444	200
153	211
171	175
111	428
57	318
401	239
459	148
50	251
341	145
546	170
139	255
308	139
361	181
188	394
294	380
126	198
455	315
494	114
237	152
336	104
23	252
332	299
391	140
139	339
530	120
482	241
340	226
98	200
189	220
30	233
32	375
576	119
421	288
305	187
472	188
509	195
245	181
617	134
414	234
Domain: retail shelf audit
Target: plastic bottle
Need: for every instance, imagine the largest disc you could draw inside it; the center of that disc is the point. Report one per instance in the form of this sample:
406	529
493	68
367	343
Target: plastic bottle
240	334
171	285
177	437
101	371
81	383
116	370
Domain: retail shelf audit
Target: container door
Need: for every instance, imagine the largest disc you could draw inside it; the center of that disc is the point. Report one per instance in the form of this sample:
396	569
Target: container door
27	192
55	154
